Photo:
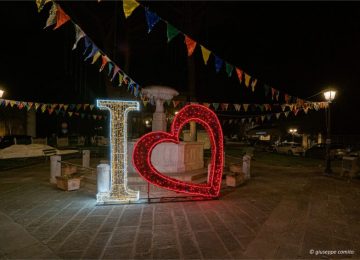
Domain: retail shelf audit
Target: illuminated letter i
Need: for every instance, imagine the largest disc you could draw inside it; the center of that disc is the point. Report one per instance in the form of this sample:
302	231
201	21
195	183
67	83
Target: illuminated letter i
119	191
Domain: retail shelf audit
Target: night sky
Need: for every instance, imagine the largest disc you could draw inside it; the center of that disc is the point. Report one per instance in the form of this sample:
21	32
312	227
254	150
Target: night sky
299	48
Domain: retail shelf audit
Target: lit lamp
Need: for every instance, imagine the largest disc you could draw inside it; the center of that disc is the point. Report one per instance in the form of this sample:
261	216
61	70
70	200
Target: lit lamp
1	93
329	97
293	131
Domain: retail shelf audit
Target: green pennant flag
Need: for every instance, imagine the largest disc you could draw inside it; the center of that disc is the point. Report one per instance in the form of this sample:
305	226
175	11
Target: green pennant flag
171	32
229	69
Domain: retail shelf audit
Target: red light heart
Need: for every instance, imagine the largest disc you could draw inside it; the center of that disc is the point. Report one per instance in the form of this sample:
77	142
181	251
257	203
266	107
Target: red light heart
143	149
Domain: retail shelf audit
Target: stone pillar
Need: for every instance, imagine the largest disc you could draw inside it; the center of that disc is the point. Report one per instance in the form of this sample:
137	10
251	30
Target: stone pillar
86	158
320	138
246	166
193	131
305	141
103	179
159	117
31	123
55	168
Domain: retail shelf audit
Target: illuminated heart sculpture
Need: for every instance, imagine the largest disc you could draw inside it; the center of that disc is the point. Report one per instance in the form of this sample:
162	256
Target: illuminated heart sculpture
144	146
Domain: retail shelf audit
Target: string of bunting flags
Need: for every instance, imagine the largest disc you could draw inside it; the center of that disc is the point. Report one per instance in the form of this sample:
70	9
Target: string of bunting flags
57	17
70	110
152	19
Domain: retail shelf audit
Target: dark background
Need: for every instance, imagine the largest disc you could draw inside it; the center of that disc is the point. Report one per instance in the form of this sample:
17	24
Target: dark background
299	48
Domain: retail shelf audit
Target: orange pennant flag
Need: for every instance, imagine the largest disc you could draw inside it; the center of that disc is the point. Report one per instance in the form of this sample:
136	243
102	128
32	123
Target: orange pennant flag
239	72
61	17
190	44
247	80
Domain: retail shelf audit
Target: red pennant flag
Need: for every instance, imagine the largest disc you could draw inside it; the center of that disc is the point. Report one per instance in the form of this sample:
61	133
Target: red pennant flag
190	44
175	103
224	106
61	17
239	73
104	61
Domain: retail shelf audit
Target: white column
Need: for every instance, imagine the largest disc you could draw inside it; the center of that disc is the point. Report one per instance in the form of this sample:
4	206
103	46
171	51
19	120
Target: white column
103	179
246	166
159	117
55	168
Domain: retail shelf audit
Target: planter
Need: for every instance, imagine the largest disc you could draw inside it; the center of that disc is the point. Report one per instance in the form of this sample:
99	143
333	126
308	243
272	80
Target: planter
68	184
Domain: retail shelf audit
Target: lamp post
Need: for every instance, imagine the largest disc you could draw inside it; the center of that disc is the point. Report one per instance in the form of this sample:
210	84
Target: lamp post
293	131
329	97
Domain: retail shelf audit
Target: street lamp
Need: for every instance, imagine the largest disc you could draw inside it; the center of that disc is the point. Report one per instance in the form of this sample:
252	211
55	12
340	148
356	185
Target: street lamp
293	131
1	93
329	97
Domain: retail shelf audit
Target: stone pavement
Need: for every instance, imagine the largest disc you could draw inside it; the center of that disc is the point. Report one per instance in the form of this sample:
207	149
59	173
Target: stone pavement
283	212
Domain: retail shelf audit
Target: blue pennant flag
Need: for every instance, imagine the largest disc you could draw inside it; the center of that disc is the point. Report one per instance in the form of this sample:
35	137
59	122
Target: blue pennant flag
151	18
110	68
218	63
136	90
88	43
94	50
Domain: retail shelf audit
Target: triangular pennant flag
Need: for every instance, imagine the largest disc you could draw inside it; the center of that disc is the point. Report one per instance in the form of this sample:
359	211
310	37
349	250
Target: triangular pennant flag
116	70
96	57
66	107
237	107
218	63
86	106
277	115
277	95
242	120
61	106
50	110
239	73
29	105
250	119
20	105
286	113
287	98
273	91
145	102
171	32
78	107
92	107
306	110
37	105
87	43
136	90
94	116
283	107
129	6
175	103
151	18
41	3
72	106
61	17
78	35
215	105
229	69
110	68
121	77
230	121
268	117
93	51
57	111
206	104
70	113
253	84
245	106
104	61
205	53
43	107
52	16
247	79
190	45
168	102
295	111
224	106
262	118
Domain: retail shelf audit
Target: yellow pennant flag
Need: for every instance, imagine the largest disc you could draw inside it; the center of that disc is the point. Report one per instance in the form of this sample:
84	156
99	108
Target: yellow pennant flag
247	80
253	84
96	57
205	53
129	7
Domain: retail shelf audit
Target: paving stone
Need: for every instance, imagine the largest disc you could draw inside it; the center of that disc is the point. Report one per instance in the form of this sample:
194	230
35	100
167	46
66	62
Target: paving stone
119	252
166	253
210	245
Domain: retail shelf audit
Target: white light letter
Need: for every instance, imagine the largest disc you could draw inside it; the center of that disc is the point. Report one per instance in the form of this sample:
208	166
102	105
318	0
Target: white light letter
119	191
